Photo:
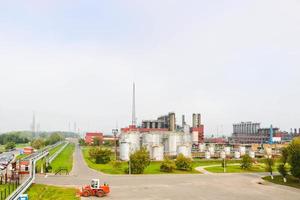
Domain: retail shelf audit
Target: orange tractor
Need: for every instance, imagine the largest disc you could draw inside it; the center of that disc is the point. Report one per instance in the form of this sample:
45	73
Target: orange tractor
94	189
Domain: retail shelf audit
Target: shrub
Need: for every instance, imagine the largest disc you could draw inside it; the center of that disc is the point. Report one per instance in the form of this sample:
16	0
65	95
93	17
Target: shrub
247	162
10	145
283	171
37	143
167	166
116	164
269	165
183	163
139	160
100	155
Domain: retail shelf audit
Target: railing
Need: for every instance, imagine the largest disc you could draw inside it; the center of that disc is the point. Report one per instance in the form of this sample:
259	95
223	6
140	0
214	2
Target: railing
27	183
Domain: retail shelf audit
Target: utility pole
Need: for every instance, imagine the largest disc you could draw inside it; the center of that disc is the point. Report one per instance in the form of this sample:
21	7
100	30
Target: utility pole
115	132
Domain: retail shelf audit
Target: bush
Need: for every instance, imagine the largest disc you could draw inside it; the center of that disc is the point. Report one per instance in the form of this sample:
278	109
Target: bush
37	143
294	157
269	165
139	160
167	166
116	164
247	162
100	155
282	170
184	163
10	145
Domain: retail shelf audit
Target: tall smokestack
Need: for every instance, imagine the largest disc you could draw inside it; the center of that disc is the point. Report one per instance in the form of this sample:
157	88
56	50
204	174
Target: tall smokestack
133	107
183	121
194	120
199	120
172	122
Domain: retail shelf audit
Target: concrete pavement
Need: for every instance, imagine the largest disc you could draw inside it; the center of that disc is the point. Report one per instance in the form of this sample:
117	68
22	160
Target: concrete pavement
177	187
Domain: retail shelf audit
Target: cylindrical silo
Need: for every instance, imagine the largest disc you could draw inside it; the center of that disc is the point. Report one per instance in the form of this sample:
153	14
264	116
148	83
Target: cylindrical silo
227	151
172	122
124	151
148	139
222	154
158	153
252	154
242	151
207	155
211	150
237	154
172	141
202	147
183	149
134	140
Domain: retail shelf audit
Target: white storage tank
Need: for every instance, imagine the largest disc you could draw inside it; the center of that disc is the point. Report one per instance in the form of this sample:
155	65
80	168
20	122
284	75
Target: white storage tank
134	140
172	142
237	155
227	151
207	155
156	139
222	154
242	151
147	139
124	151
252	154
187	139
202	147
158	153
211	151
184	150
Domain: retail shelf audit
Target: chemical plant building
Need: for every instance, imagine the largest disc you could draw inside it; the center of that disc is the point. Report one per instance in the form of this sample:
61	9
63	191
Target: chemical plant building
162	137
251	133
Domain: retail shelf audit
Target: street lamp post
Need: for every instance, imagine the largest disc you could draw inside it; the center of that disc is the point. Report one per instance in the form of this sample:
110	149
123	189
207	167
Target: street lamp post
115	132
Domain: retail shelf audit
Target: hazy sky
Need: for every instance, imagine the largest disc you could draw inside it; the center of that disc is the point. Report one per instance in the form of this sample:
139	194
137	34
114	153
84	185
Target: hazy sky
75	61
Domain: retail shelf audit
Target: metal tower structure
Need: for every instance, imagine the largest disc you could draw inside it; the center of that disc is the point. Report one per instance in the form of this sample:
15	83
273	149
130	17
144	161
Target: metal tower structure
133	107
271	135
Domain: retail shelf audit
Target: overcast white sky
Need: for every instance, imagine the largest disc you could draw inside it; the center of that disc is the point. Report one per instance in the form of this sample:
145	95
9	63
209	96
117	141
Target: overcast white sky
75	61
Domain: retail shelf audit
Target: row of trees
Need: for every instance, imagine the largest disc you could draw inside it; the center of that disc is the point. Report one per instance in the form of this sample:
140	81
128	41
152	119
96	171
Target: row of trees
290	156
39	143
16	137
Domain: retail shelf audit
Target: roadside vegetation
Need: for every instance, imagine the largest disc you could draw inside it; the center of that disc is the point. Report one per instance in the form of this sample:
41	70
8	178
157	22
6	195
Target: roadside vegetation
64	159
289	167
47	192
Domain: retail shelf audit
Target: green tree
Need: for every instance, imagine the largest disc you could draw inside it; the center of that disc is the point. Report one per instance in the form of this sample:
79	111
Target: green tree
294	157
167	165
10	145
283	171
284	155
246	162
100	155
184	163
96	141
269	162
82	142
139	160
37	143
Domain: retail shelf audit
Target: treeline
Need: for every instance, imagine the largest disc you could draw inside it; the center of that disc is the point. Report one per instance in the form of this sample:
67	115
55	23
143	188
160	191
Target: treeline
16	137
45	141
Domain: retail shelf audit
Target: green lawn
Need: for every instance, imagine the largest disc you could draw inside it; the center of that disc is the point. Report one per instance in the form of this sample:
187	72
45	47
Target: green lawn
153	168
64	159
236	169
291	181
8	187
51	152
46	192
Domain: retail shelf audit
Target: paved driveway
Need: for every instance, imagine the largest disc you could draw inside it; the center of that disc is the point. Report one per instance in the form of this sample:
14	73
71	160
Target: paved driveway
175	187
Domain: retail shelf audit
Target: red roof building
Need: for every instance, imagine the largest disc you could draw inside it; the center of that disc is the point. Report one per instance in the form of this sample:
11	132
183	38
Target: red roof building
89	137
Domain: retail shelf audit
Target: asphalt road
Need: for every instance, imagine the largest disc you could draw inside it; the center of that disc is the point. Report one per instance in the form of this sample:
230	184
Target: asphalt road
174	187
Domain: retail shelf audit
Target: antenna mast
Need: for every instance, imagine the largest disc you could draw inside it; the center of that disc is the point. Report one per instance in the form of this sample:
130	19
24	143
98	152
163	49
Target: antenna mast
133	107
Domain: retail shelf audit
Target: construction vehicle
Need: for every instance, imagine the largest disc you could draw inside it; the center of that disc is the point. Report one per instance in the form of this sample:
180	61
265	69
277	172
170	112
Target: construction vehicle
95	189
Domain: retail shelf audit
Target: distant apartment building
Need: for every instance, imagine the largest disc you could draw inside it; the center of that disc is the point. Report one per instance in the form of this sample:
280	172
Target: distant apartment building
251	133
